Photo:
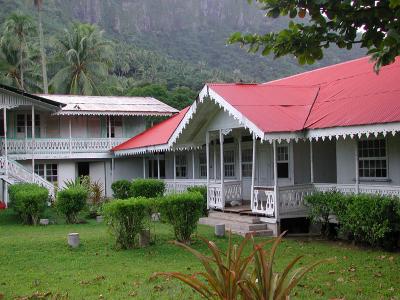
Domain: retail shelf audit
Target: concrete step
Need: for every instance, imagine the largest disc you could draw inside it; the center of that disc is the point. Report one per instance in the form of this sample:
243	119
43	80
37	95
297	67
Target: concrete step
233	225
235	217
266	232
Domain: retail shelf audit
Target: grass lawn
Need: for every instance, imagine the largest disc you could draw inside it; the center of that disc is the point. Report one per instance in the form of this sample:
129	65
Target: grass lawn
38	259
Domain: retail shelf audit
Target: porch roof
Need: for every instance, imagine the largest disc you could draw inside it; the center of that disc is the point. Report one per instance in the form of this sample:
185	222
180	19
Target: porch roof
156	137
111	105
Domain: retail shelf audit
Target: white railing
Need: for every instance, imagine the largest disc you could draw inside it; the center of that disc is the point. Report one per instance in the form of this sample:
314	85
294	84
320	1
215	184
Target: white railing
264	201
291	199
215	199
60	145
232	191
181	185
18	172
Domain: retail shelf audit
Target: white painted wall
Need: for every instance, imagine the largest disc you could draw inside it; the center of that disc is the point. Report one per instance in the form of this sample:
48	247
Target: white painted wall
301	161
222	120
345	160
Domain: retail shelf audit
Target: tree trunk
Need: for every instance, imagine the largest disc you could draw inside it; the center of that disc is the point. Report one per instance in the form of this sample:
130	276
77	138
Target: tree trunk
21	70
42	52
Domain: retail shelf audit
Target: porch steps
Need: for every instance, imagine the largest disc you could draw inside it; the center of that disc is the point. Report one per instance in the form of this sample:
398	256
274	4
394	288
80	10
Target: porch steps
238	224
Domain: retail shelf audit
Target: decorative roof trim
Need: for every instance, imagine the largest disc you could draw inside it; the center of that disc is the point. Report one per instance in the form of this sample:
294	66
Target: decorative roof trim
353	131
110	113
153	149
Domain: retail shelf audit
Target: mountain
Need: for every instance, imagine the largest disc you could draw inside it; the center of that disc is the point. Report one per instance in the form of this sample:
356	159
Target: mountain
190	31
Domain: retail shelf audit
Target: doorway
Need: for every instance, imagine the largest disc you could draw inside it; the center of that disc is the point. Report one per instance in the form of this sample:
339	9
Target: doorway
83	169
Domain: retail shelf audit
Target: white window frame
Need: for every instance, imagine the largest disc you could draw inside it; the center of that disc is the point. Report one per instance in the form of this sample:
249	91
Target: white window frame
26	128
283	161
202	164
247	163
181	163
230	164
42	169
373	158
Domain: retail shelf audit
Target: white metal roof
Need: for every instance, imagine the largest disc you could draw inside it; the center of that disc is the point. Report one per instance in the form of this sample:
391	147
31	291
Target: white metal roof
111	105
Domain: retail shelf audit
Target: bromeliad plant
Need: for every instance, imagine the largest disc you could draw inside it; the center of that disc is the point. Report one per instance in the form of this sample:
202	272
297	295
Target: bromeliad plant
234	275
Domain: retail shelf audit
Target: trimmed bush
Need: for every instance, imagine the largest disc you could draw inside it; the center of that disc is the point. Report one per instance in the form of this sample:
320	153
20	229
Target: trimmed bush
203	191
29	201
121	189
148	188
70	201
182	211
371	219
322	208
126	219
364	218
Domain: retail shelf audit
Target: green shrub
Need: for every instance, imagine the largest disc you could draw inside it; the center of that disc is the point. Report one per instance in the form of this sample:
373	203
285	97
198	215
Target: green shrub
322	207
126	218
182	211
203	191
121	189
371	219
148	188
70	201
29	201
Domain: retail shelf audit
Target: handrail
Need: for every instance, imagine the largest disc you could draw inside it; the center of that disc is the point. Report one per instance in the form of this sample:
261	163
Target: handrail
19	172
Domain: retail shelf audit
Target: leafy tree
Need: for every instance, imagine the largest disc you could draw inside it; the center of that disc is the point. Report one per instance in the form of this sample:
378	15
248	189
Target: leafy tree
83	59
17	28
373	25
38	4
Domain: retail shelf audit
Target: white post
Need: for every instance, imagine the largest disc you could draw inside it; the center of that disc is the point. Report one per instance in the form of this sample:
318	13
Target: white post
253	172
240	166
356	164
221	146
144	167
215	159
193	169
112	169
174	171
109	131
5	140
275	180
208	166
311	163
70	135
33	142
158	166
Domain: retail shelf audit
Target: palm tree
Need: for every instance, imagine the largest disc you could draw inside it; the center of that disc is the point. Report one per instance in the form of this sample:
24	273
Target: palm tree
83	59
38	4
16	31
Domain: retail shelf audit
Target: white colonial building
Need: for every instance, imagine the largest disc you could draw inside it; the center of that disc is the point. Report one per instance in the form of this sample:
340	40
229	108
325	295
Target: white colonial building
266	146
49	139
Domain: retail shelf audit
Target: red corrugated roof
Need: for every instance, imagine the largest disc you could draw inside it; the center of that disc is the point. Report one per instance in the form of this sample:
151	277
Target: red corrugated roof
345	94
159	134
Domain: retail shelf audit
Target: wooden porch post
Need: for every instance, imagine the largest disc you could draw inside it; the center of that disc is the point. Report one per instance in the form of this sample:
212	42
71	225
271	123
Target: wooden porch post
240	165
221	145
174	171
144	167
193	168
158	166
70	134
112	169
33	142
253	172
109	131
215	159
275	181
208	166
356	164
5	140
311	162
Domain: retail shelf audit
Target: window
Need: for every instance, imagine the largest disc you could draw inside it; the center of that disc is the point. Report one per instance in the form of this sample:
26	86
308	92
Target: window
153	168
247	160
372	159
47	171
24	121
282	161
116	126
181	165
229	163
203	164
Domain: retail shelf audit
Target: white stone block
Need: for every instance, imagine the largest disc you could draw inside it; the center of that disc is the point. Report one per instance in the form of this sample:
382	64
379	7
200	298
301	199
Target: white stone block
220	230
99	219
44	221
73	240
